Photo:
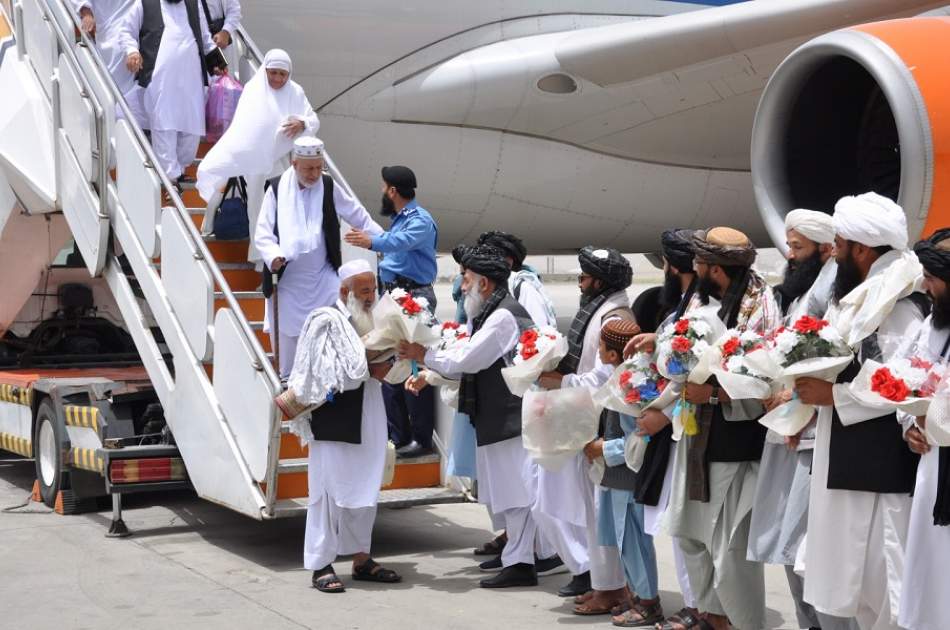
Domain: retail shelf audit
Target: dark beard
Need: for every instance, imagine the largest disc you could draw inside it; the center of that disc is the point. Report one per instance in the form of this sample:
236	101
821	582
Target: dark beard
847	279
670	293
798	278
589	294
706	288
941	311
388	208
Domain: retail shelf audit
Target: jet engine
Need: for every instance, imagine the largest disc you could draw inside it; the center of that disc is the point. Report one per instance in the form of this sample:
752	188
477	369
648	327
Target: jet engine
859	109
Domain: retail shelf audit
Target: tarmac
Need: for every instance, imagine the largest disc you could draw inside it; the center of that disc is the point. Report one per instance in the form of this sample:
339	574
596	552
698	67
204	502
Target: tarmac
192	564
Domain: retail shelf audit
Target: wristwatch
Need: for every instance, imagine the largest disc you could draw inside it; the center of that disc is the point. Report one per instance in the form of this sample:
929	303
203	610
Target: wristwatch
714	397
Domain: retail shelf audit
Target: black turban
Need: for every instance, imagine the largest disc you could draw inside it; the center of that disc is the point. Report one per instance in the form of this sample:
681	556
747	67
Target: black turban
487	261
678	249
458	252
607	265
935	260
509	243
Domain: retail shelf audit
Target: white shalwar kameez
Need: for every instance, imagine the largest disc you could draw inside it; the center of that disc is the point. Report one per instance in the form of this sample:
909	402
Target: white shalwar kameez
309	281
925	587
174	101
507	478
109	15
344	481
854	556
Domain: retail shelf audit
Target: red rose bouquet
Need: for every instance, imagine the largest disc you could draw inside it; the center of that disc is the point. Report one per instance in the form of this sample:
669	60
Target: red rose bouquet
907	385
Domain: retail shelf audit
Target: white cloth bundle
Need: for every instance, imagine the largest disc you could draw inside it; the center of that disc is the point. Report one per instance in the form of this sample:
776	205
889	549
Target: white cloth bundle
556	424
330	357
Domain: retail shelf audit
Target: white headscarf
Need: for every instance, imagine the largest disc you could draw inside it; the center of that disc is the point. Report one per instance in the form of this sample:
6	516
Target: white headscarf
255	142
871	220
815	226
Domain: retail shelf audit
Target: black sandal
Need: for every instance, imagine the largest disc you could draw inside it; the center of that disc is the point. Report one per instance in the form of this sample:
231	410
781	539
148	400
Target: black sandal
326	576
370	571
493	547
684	619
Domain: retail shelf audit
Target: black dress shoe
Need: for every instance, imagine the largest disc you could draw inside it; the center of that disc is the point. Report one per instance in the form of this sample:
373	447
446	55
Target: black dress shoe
578	585
491	566
414	451
549	566
521	574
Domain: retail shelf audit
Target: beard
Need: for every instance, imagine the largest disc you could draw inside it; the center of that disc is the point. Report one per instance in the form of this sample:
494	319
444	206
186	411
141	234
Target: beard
799	277
706	288
589	294
473	305
387	208
941	310
848	277
671	292
362	317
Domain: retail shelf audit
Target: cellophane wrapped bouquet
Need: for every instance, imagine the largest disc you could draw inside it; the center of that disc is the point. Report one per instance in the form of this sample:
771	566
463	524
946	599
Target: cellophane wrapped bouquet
454	336
744	366
397	317
538	350
906	385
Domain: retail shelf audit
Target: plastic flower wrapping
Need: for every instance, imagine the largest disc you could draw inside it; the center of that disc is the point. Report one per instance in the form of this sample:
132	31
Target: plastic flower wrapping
635	385
743	365
808	348
454	336
538	350
397	316
556	424
906	385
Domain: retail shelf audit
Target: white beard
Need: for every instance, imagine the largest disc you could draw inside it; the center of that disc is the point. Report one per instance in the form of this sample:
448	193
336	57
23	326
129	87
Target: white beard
474	303
361	317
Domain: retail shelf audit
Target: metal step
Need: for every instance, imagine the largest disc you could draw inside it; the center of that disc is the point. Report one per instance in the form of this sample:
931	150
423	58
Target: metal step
387	498
300	464
241	295
288	466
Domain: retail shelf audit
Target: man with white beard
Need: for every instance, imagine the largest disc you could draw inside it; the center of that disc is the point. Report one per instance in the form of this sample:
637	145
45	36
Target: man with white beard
507	478
346	460
862	471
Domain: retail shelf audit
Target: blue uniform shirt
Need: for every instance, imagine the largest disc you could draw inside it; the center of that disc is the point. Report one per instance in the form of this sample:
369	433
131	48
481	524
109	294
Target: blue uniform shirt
408	246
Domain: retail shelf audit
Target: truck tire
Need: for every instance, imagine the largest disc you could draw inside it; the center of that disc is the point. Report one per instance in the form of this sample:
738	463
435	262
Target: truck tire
48	453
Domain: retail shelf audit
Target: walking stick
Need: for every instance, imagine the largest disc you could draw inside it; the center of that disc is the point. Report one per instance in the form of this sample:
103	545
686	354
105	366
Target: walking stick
274	277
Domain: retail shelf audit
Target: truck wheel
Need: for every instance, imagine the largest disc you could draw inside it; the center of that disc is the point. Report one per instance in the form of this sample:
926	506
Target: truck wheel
48	453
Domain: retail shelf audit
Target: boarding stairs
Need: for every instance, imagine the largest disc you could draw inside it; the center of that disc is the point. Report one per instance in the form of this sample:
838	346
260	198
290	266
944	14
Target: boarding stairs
190	302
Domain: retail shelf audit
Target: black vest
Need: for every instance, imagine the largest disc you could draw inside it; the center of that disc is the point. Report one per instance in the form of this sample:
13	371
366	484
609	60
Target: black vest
150	37
652	473
870	456
340	419
619	477
734	441
499	411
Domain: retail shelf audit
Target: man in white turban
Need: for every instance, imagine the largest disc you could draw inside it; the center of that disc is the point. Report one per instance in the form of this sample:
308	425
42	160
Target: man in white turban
862	473
780	508
346	460
298	235
272	112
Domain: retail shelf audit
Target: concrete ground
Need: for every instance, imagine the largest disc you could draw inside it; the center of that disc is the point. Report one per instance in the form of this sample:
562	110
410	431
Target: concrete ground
192	564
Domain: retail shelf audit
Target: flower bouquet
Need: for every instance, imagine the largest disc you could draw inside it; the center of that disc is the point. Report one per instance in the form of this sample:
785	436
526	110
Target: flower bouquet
538	350
683	355
397	317
453	336
937	428
557	424
635	385
810	347
744	366
907	385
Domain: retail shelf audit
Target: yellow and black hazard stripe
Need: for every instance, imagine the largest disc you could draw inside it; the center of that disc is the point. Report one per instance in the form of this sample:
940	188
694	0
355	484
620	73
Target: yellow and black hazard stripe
86	459
16	444
16	395
81	416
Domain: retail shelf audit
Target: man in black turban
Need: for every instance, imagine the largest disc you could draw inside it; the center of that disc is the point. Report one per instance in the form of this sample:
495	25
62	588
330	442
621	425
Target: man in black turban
512	246
525	283
678	273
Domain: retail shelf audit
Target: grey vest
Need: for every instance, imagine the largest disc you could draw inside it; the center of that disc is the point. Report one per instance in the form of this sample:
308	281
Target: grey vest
499	411
150	37
618	477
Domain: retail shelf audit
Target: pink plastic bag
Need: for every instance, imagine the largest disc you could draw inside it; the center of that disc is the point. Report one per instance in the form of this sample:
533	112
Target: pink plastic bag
223	96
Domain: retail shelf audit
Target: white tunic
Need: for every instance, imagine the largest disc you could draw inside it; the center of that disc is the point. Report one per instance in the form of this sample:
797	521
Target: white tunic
310	280
506	475
109	15
175	98
925	586
843	524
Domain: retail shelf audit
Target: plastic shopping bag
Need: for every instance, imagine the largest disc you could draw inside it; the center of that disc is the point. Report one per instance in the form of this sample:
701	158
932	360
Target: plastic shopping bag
223	96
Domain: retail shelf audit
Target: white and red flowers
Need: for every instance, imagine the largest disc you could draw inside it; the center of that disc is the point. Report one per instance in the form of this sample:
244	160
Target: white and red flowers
535	341
452	334
415	307
905	384
635	385
682	343
808	338
538	350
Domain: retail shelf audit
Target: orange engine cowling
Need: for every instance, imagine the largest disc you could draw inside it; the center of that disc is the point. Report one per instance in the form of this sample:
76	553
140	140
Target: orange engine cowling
860	109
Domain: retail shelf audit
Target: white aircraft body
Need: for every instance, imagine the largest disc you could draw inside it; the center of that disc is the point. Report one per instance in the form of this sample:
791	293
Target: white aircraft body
567	122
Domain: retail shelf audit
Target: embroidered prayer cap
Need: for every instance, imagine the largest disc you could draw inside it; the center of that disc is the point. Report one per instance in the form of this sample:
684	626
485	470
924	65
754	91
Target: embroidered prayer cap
487	261
723	246
617	332
354	268
677	247
817	227
458	252
934	254
401	177
607	265
872	220
278	59
308	147
508	243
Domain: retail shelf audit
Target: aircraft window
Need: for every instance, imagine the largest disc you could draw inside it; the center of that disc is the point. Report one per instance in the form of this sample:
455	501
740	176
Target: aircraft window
558	83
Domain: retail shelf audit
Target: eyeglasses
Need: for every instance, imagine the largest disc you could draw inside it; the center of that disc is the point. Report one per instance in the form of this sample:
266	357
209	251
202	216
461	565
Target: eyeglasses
583	276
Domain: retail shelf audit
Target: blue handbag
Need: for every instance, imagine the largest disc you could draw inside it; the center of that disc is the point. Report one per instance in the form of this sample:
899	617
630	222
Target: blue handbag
230	219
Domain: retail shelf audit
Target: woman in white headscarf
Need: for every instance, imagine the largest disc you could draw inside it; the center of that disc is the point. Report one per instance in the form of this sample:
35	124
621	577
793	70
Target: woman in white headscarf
272	112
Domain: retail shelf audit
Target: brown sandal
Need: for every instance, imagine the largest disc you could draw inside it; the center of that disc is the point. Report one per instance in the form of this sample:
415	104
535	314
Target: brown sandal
639	615
587	610
684	619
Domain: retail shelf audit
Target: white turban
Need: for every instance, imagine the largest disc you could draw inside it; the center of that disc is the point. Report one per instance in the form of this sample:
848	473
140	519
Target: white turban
308	147
871	220
815	226
354	268
277	59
